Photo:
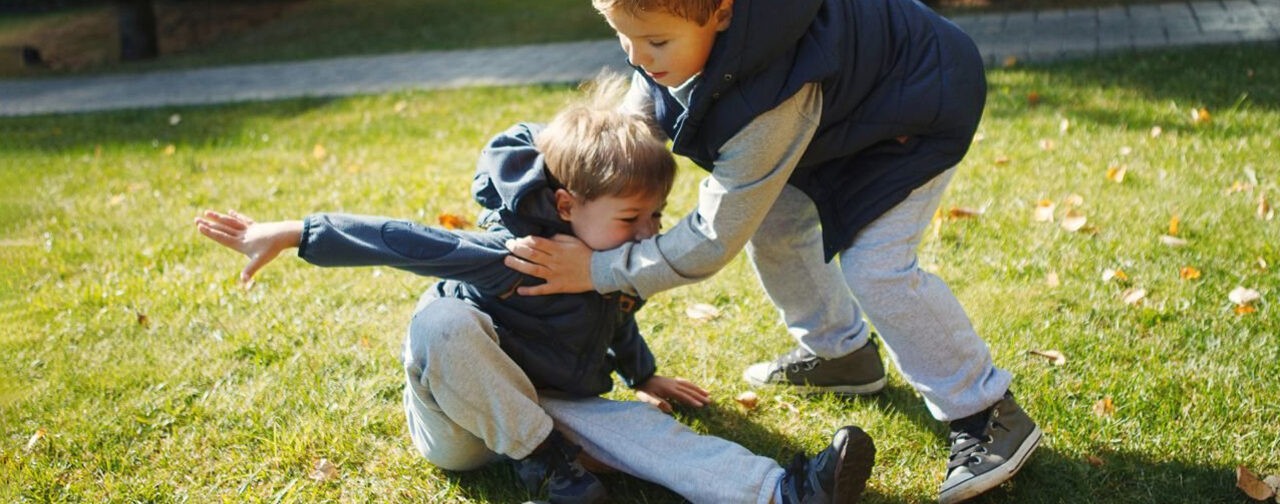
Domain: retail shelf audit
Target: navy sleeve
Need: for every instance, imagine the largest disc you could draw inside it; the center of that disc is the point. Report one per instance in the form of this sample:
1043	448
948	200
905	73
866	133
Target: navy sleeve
335	240
633	361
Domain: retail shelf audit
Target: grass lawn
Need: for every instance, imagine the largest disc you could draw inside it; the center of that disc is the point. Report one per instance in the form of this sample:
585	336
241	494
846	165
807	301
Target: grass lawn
134	369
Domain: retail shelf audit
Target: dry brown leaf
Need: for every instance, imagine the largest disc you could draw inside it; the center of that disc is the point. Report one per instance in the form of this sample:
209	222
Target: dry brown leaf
1252	486
319	152
1188	273
1243	296
1002	160
702	311
1265	212
963	213
1133	296
1173	225
35	439
1245	309
1074	220
451	221
1033	98
1104	407
1115	173
1044	211
748	400
1052	280
1054	356
1094	460
142	319
324	471
1172	241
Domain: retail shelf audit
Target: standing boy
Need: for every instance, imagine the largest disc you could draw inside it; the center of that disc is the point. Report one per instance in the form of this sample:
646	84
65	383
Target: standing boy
830	128
492	375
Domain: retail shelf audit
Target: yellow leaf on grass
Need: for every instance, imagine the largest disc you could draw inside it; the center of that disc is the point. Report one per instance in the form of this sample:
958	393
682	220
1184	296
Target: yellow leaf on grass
702	311
1265	212
1054	356
34	439
451	221
1074	220
1245	309
170	149
319	152
1252	486
1064	126
1188	273
1116	274
1200	116
1044	211
748	400
324	471
963	213
1104	407
1173	225
1002	160
1115	173
1133	296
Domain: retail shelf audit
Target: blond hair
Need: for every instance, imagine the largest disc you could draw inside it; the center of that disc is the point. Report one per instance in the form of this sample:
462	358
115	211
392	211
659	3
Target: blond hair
698	11
593	148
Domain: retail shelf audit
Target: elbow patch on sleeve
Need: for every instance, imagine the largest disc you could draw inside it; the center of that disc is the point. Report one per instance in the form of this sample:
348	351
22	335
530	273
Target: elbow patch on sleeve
418	242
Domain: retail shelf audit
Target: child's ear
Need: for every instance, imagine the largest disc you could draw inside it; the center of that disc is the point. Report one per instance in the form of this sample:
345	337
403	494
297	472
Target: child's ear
723	15
564	204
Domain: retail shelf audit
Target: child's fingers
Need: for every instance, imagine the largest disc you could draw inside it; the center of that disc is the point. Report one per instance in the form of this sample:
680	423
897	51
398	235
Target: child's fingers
219	235
229	221
248	221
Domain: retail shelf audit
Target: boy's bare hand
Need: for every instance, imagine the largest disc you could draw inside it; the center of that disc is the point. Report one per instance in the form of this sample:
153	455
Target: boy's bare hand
562	260
261	243
661	391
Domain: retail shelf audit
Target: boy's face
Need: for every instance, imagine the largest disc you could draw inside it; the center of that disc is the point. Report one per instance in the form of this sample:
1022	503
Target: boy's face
609	221
669	48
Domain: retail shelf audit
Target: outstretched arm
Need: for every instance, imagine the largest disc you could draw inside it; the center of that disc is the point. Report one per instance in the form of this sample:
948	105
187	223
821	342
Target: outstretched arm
661	391
260	242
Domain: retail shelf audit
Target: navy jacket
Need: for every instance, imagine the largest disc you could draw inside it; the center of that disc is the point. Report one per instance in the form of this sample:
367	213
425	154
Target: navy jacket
888	69
566	342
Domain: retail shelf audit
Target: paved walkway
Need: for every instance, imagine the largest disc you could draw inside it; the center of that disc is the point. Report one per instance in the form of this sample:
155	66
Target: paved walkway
1043	35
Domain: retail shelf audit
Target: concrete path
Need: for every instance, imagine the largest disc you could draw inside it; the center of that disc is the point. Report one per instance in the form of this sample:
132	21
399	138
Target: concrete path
1036	36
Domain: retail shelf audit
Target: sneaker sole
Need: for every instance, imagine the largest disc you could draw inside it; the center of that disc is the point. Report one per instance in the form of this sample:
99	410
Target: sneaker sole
993	478
854	468
864	389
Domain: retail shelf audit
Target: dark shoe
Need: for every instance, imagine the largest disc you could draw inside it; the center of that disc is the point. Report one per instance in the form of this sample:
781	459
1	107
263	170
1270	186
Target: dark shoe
555	466
861	372
837	474
987	449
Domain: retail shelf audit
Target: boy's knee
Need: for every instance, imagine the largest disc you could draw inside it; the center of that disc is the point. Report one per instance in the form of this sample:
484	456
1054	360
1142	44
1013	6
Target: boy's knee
440	324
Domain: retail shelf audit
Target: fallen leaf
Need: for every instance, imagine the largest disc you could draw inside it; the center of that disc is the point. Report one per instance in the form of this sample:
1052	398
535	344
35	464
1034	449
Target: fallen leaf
1252	486
1010	61
1265	212
1117	274
1243	296
451	221
1074	200
1047	145
1064	126
319	152
1054	356
1173	225
1104	407
1156	131
1172	241
1188	273
1044	211
34	439
1116	173
324	471
170	149
142	319
1200	116
702	311
963	213
1094	460
748	400
1262	263
1133	296
1002	160
1074	220
1033	98
1245	309
1052	280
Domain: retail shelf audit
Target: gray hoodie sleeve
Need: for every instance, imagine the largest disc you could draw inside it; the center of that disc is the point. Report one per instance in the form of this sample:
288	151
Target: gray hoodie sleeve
750	172
354	240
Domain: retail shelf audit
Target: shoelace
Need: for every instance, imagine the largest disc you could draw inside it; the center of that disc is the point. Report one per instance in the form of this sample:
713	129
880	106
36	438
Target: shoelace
967	449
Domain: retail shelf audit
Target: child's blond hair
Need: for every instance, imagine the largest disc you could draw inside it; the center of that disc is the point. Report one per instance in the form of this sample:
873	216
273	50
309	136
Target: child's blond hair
593	148
698	11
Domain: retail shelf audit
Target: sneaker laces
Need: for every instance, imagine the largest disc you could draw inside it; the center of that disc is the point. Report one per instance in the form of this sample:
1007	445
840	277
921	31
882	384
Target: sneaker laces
967	448
798	360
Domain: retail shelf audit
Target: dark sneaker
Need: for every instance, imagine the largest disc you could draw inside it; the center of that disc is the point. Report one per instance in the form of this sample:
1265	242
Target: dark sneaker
837	474
555	466
861	372
987	449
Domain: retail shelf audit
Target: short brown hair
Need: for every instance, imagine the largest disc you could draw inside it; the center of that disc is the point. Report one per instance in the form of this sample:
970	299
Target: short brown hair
698	11
593	148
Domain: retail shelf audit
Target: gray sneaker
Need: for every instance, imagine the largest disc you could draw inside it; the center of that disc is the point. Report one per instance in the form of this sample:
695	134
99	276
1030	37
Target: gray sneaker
861	372
836	475
986	452
555	469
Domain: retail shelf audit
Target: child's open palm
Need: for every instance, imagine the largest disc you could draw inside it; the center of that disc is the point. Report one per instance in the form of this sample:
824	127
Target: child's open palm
260	242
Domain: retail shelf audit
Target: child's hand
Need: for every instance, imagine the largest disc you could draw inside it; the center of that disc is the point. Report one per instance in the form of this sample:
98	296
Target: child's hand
562	260
660	391
259	242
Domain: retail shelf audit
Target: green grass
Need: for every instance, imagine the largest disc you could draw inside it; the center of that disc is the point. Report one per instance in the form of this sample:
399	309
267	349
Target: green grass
154	378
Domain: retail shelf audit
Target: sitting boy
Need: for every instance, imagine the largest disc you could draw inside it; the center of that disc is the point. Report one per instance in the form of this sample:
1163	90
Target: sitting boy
491	375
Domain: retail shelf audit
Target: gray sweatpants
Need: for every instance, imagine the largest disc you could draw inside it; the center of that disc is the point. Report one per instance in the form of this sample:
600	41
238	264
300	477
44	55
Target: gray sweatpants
468	404
926	331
